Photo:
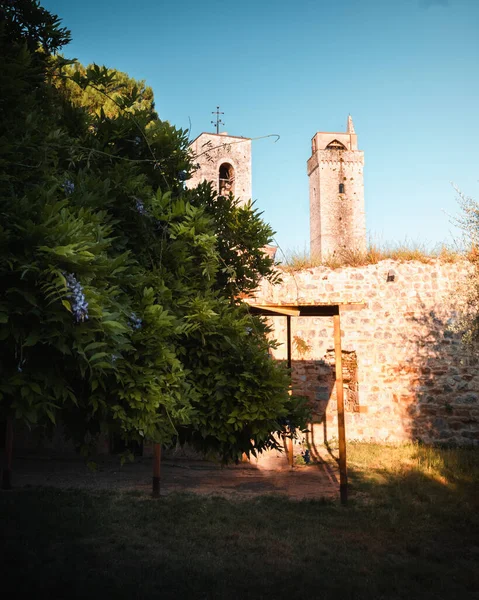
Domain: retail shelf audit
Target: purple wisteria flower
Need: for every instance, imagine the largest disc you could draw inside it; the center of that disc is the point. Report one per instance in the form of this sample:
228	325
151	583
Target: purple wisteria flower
140	208
69	187
77	298
135	321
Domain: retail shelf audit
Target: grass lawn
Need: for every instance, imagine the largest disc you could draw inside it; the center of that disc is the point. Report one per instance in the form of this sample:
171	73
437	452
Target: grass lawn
411	531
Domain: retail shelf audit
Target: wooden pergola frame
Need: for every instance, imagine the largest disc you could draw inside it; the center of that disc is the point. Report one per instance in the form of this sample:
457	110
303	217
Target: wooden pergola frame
318	310
300	310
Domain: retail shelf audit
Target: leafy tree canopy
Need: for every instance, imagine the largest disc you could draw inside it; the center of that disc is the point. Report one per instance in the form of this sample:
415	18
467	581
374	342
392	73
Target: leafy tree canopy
120	290
113	91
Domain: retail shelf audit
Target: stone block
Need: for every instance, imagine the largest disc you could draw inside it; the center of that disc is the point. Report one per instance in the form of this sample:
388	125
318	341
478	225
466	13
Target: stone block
468	399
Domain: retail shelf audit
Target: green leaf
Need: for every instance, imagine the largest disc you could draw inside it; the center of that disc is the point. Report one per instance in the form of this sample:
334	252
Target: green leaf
35	387
98	355
94	345
32	339
103	365
50	415
114	325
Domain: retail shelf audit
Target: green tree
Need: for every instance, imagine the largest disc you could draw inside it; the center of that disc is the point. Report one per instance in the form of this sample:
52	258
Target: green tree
467	319
121	291
108	96
70	290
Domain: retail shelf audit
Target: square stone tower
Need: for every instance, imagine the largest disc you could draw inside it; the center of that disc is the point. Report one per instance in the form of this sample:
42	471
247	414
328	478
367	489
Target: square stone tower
225	161
336	194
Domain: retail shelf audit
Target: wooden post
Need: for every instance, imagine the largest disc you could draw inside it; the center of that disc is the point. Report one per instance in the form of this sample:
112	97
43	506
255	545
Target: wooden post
156	470
289	441
7	469
288	339
290	452
343	473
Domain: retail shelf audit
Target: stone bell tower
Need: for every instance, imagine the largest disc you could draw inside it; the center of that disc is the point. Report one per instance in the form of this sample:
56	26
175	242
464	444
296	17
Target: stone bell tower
336	194
225	161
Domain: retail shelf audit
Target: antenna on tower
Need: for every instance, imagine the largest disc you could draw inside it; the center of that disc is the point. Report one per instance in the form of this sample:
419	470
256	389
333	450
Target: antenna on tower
218	121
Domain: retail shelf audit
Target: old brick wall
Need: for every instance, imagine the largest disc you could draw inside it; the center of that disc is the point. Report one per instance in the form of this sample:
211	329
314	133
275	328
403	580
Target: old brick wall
407	373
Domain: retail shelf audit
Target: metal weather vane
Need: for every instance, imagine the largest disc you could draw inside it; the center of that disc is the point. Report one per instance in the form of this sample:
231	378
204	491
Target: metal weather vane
218	121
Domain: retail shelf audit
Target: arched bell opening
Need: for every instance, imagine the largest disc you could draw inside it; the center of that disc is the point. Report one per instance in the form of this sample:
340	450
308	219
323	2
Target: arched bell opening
226	184
336	145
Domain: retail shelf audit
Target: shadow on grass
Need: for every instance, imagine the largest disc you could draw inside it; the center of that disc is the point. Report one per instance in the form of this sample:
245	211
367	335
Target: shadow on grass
407	533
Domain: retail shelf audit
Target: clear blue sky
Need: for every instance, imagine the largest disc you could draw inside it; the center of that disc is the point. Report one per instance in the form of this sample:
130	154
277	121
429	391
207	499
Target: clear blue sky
407	71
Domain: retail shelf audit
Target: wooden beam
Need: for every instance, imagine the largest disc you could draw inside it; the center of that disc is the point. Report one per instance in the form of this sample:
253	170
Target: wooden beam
156	470
306	310
273	310
343	473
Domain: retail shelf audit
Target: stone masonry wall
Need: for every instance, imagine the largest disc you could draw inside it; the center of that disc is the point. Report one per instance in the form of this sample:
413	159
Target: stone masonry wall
337	221
407	374
211	150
